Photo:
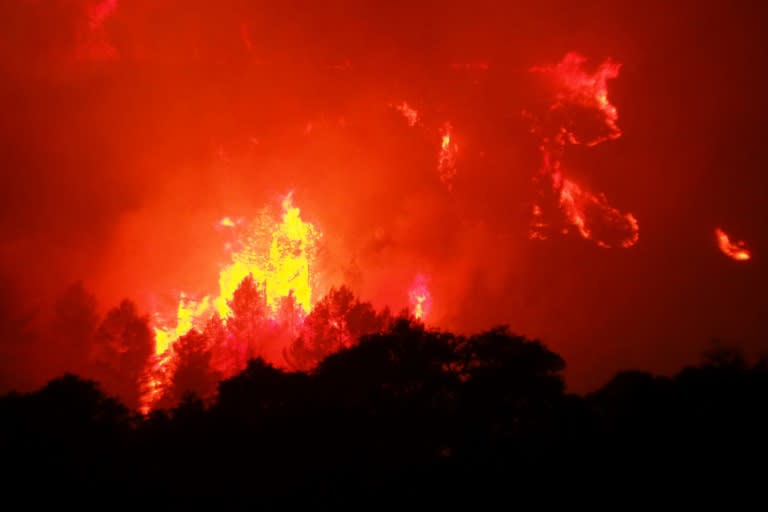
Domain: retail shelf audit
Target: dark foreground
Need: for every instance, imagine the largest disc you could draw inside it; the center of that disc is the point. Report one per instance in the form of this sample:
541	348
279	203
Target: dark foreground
403	415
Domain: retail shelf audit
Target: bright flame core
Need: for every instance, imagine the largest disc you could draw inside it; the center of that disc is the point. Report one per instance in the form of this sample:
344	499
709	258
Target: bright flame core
279	256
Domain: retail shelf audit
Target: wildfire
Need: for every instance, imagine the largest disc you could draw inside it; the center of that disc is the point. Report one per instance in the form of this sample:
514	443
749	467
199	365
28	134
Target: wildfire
277	255
283	269
446	163
580	92
736	250
420	298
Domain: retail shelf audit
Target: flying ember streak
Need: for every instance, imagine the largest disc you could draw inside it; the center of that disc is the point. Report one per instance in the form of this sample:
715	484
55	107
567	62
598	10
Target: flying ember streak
420	298
581	114
446	163
736	250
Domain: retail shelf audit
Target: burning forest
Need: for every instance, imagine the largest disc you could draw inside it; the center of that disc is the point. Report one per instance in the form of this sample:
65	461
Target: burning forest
202	195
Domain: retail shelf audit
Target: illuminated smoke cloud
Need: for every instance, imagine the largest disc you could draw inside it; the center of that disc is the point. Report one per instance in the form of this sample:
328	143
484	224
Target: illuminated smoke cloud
736	250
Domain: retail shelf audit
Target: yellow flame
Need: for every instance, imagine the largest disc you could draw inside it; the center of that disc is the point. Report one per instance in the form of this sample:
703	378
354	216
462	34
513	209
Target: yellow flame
188	313
279	256
284	270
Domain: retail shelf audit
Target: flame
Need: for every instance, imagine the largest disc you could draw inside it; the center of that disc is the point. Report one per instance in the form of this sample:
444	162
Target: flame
279	256
420	298
409	113
577	92
576	203
736	250
188	315
446	163
576	87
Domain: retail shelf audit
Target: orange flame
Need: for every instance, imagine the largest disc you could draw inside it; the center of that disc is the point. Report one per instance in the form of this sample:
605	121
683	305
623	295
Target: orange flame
591	214
736	250
577	203
590	91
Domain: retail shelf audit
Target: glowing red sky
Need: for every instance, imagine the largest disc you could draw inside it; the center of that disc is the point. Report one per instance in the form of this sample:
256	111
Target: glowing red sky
128	130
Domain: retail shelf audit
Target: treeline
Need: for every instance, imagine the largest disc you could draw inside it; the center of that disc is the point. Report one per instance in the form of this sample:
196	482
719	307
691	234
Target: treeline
407	412
117	349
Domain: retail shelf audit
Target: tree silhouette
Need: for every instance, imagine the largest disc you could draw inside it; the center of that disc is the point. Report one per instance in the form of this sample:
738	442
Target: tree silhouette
122	346
337	321
407	411
227	355
249	319
193	372
512	389
69	435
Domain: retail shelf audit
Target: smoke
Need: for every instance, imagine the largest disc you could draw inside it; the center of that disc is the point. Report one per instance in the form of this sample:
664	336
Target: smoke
130	129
